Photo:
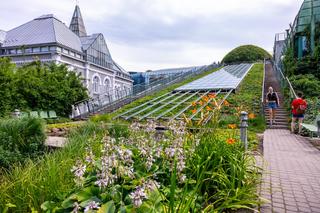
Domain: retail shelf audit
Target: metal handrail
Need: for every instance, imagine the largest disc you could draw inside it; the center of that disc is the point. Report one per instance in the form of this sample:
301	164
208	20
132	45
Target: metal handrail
263	81
291	88
286	79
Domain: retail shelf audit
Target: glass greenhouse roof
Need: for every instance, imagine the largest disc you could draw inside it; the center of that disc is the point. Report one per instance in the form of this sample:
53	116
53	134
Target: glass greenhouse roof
226	78
304	16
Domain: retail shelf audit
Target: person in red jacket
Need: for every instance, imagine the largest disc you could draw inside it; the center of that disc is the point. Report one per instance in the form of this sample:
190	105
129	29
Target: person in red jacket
299	107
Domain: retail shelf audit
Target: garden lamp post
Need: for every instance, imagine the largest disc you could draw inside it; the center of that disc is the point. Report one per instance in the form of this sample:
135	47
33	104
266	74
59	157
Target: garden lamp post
243	129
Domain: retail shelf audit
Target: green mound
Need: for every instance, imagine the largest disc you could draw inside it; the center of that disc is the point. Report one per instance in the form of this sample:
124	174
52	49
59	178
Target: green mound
246	53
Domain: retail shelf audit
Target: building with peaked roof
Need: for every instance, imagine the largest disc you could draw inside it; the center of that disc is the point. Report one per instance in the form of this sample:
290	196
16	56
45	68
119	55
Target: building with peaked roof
48	39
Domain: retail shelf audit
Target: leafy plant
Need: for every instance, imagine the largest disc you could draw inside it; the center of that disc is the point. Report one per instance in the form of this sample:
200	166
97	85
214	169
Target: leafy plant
20	139
48	178
38	86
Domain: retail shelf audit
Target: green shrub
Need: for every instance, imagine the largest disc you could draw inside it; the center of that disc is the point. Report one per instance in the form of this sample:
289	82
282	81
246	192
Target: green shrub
307	83
20	139
246	53
226	176
27	186
37	86
7	88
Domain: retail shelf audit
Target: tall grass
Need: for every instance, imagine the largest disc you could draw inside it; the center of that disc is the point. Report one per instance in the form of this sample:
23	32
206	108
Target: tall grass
49	178
20	139
225	176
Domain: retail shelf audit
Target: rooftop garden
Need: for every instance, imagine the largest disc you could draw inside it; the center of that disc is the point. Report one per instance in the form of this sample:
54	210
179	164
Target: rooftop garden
115	166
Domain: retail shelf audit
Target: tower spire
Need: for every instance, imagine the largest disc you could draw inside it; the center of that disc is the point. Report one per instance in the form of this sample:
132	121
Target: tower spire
77	24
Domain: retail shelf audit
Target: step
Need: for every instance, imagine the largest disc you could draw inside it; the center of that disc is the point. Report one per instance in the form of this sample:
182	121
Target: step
278	127
279	123
279	119
278	109
277	114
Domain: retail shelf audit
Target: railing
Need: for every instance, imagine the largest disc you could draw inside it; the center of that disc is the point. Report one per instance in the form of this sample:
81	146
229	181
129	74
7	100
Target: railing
263	87
113	99
284	81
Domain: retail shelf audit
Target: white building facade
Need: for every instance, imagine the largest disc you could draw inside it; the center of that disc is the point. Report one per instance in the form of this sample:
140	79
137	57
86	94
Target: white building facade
49	40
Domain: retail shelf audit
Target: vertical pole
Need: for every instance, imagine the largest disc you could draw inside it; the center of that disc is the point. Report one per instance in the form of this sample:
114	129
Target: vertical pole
243	129
312	30
318	125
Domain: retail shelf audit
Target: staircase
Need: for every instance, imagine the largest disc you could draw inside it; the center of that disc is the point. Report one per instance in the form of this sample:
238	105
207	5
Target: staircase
281	112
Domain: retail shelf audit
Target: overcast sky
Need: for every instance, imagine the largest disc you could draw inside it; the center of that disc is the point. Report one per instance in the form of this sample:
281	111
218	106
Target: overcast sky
154	34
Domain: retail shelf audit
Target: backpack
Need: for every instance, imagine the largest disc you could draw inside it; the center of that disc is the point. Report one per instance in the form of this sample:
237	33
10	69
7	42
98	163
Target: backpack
301	109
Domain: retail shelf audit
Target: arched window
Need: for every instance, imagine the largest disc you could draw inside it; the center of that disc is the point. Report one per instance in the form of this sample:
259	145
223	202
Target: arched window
107	85
96	82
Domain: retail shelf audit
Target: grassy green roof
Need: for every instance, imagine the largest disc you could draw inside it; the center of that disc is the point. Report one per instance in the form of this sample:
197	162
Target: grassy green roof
246	53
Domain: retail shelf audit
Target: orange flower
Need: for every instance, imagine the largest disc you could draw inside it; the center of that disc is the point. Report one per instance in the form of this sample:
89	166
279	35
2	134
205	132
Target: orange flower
231	141
251	116
226	103
214	103
194	104
194	111
205	99
212	95
200	103
232	126
208	108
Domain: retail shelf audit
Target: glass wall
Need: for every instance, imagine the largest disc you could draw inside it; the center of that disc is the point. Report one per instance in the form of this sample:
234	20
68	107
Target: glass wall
98	53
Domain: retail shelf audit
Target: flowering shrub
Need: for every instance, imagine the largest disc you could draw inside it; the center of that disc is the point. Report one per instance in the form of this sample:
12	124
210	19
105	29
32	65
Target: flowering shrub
148	172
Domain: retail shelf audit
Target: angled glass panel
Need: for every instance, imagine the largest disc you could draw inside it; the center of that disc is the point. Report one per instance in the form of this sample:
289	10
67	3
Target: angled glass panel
228	77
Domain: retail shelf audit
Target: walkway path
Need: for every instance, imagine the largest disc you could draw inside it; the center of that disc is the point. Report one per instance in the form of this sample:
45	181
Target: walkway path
291	176
291	180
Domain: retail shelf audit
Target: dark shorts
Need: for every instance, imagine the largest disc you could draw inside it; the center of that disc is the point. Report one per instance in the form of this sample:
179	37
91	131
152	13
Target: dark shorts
298	115
272	105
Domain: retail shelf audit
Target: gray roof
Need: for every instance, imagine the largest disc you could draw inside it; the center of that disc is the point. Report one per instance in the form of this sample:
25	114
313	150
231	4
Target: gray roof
2	36
77	24
43	30
86	41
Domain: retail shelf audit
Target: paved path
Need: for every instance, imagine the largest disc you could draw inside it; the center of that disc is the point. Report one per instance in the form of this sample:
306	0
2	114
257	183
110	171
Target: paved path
291	180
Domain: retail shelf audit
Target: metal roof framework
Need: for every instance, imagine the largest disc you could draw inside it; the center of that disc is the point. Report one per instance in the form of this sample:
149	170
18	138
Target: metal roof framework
191	100
226	78
174	105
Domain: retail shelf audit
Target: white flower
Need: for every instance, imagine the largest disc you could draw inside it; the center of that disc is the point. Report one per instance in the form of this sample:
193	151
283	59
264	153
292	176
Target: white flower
90	156
151	185
170	152
138	196
158	151
182	178
92	205
79	169
76	208
149	162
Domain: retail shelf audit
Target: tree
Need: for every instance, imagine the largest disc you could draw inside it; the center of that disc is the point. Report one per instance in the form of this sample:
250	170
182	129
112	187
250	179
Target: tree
7	89
38	86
